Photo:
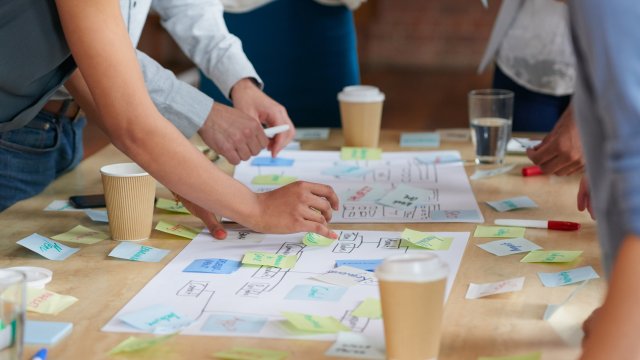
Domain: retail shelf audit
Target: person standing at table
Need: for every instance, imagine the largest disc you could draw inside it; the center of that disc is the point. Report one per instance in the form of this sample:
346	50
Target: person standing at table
305	50
40	44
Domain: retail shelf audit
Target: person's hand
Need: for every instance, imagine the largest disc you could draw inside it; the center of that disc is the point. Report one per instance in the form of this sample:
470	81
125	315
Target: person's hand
584	197
208	218
560	152
297	207
590	323
248	98
233	134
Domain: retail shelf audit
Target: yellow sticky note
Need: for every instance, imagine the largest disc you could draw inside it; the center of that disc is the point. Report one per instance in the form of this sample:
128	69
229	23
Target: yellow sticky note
369	308
273	179
313	239
313	323
244	353
360	153
426	240
552	256
47	302
530	356
499	231
177	229
133	343
171	205
82	235
269	259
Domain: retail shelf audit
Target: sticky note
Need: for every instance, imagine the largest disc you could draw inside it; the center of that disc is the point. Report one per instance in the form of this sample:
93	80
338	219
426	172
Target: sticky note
45	332
133	344
481	174
273	179
346	276
509	246
366	193
344	170
455	134
405	197
159	319
97	215
519	202
213	266
553	256
269	259
426	240
360	153
438	158
453	215
245	353
314	323
60	205
499	231
421	139
294	145
368	308
47	302
270	161
476	291
354	346
553	308
312	133
316	293
313	239
171	205
82	235
50	249
364	264
530	356
568	276
177	229
136	252
234	324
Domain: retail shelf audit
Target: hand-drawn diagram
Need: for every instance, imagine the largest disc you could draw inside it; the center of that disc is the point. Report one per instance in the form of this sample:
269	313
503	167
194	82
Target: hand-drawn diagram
249	302
446	183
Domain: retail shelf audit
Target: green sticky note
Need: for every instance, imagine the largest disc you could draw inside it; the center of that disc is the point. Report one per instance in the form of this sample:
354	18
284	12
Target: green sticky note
499	231
171	205
82	235
133	343
273	179
531	356
269	259
177	229
360	153
314	323
313	239
244	353
369	308
552	256
426	240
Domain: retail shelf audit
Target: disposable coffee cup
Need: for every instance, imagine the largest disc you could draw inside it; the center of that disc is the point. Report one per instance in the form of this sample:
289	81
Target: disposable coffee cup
412	288
129	192
361	114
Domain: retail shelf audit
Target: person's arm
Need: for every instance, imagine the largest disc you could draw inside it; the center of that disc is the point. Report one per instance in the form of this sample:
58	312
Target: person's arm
106	59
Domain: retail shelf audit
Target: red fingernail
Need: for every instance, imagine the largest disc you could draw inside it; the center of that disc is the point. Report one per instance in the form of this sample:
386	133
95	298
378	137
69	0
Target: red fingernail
333	235
220	234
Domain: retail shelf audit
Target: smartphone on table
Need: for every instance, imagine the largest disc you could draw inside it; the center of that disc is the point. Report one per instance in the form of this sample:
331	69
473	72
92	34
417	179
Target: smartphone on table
87	201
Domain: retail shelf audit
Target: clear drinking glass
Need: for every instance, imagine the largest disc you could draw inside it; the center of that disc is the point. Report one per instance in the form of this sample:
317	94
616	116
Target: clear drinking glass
12	313
490	117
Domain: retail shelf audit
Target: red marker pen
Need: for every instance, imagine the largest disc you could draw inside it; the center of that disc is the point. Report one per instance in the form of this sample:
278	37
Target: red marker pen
532	171
541	224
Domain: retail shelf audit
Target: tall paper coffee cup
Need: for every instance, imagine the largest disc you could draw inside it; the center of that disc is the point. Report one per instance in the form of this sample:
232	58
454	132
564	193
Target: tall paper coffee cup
412	295
361	114
129	192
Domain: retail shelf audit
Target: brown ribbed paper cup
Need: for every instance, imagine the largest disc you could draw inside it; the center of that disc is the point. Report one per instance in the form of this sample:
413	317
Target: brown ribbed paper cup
361	115
129	192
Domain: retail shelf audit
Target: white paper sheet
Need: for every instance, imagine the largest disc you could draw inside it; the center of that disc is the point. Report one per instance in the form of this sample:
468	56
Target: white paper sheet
249	302
446	184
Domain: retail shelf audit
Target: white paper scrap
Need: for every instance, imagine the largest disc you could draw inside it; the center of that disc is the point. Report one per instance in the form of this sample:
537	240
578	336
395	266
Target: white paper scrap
481	174
481	290
346	276
354	346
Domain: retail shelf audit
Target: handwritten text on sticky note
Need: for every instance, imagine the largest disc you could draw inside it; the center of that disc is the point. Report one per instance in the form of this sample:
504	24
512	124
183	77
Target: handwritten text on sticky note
269	259
355	346
313	239
171	205
476	291
405	197
499	231
47	302
515	203
358	153
568	276
159	319
346	276
509	246
177	229
136	252
82	235
213	266
50	249
553	256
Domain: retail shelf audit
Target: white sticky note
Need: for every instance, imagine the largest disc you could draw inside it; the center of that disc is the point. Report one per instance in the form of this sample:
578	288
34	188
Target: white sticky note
514	203
509	246
158	319
346	276
421	139
312	133
136	252
481	174
567	277
355	346
405	197
476	291
553	308
48	248
60	205
97	215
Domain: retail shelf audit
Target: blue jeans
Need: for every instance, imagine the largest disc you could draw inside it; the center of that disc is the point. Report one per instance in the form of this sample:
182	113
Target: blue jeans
35	155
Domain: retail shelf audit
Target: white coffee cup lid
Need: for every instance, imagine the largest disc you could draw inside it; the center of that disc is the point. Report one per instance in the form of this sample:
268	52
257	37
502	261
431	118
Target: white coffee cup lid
361	93
422	267
123	170
36	277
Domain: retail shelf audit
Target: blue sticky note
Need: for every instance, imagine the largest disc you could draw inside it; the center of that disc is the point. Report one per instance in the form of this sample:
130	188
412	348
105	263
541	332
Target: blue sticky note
136	252
368	265
45	332
213	266
48	248
568	276
316	293
438	158
454	215
422	139
346	170
156	319
235	324
269	161
97	215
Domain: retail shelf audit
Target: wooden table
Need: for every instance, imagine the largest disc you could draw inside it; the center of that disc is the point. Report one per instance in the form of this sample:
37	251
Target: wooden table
500	325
